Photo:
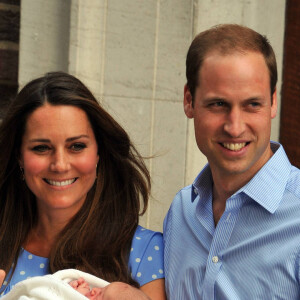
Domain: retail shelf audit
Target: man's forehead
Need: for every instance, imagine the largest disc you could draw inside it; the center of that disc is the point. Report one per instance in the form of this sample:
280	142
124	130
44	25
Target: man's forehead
215	58
219	52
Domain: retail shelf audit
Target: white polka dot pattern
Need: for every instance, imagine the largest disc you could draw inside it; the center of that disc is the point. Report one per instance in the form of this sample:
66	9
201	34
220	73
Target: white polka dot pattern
28	266
146	257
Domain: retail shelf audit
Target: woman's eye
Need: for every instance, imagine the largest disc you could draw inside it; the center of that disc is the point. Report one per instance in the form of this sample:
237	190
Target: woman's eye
41	148
78	146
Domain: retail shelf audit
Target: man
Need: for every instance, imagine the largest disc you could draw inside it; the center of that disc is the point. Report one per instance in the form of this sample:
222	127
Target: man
235	232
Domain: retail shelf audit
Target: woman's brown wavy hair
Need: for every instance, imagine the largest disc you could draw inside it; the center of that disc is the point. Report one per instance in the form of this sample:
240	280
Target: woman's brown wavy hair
98	238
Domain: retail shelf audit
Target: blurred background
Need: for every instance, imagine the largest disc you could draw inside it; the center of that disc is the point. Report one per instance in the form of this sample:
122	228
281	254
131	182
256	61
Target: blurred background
131	54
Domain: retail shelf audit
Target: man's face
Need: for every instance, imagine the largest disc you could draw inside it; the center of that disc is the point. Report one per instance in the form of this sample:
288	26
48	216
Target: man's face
232	113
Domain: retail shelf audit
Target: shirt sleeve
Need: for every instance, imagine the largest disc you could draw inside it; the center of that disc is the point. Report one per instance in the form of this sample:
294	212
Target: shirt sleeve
146	257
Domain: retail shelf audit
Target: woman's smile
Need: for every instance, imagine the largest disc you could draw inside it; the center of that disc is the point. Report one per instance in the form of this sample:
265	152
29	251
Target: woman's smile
60	182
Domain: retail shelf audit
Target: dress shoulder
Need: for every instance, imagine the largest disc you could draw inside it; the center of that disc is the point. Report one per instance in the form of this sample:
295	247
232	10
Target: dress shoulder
146	256
28	265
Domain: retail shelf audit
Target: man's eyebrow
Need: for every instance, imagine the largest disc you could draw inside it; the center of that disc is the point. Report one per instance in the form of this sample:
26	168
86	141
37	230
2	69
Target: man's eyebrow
255	98
214	99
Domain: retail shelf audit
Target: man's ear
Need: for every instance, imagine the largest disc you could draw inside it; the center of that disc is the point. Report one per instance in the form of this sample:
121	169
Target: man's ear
188	103
274	104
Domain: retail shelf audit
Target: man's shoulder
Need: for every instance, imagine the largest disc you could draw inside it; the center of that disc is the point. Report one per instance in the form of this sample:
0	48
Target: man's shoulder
184	194
293	184
182	203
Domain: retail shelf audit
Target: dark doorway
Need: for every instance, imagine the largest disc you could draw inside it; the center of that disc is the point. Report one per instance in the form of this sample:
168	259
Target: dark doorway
290	100
9	51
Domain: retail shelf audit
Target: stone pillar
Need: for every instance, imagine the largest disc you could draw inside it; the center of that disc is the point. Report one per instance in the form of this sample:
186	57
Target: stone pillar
44	38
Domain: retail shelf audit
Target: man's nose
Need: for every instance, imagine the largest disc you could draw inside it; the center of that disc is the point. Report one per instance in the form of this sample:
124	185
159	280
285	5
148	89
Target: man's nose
234	123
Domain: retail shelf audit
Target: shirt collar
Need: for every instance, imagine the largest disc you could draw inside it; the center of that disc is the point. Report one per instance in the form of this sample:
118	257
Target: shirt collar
266	187
202	184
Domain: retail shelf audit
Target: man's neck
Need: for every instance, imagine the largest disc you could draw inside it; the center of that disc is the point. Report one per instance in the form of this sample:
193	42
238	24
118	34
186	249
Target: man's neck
224	188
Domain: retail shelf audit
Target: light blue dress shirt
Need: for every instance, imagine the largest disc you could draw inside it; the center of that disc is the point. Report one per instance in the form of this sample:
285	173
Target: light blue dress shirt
252	253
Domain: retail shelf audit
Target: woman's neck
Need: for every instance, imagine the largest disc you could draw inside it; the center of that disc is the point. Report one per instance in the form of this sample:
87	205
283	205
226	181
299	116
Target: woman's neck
42	237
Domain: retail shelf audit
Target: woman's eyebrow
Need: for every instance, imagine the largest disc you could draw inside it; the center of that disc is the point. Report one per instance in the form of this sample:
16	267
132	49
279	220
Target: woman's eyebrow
70	139
40	140
77	137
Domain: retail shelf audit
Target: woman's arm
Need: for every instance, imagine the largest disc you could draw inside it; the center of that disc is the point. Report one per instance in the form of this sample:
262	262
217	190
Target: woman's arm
155	289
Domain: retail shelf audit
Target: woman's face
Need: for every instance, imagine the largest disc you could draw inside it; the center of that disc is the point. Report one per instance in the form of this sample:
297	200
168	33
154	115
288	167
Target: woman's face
59	155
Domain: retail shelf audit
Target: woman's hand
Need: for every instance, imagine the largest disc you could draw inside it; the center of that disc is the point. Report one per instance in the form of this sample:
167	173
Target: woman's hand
2	276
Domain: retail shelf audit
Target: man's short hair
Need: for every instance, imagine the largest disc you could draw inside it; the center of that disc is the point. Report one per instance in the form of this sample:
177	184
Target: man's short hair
227	39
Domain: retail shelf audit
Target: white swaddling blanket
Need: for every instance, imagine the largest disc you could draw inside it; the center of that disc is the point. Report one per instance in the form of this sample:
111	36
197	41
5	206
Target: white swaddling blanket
54	286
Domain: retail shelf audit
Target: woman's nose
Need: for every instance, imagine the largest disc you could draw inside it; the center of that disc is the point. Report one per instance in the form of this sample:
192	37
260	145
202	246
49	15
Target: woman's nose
60	162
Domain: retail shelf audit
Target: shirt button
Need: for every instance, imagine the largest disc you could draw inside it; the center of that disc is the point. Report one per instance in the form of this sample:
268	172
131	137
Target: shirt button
195	191
215	259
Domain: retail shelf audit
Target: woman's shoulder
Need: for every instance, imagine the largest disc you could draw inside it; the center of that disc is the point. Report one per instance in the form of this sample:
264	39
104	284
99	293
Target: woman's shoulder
146	255
145	238
145	233
28	265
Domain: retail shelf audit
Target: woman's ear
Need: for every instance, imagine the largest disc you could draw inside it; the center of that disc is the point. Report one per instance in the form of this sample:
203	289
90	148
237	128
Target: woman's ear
188	103
20	161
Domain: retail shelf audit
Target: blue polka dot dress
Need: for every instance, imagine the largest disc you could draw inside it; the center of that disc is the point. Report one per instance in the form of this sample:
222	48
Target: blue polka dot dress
146	256
145	261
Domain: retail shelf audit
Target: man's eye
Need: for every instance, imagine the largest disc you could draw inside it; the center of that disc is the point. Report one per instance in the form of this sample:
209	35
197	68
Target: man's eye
78	146
254	104
217	104
41	148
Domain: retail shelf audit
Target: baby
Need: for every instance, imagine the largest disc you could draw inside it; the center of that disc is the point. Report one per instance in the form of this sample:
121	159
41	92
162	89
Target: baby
64	284
71	284
115	290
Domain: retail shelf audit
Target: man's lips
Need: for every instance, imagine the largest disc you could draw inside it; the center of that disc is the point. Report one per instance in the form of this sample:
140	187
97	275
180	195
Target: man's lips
234	146
61	182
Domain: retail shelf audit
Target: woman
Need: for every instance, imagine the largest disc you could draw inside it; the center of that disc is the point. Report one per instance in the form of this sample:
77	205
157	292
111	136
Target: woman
71	189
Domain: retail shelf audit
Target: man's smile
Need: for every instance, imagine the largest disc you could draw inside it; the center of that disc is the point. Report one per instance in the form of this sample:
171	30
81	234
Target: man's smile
234	146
